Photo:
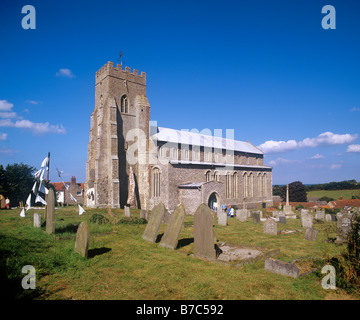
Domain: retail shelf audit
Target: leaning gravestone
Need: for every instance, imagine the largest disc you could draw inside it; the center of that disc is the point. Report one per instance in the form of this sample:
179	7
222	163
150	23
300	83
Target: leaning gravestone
307	221
204	233
82	239
311	234
256	217
283	268
127	211
270	227
242	215
222	218
37	220
343	227
50	212
170	238
152	228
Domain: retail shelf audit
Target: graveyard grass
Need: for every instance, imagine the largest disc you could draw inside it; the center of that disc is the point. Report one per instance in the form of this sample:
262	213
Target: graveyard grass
121	265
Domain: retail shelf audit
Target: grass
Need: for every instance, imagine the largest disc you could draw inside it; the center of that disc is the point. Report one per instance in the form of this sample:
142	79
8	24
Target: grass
121	265
335	194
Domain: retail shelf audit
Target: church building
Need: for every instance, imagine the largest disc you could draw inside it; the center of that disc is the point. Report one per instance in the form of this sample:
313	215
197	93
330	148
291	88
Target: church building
132	161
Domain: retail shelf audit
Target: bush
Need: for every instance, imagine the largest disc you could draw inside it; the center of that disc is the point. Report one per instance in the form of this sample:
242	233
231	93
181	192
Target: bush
99	219
132	220
327	199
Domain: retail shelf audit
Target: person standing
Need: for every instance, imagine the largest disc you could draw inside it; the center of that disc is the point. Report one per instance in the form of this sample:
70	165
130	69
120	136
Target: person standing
7	203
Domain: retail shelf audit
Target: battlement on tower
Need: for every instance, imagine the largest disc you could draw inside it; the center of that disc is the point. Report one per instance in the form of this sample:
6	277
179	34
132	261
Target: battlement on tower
119	72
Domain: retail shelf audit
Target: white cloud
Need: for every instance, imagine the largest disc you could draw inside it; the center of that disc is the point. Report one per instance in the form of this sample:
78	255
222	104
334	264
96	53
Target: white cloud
8	115
3	136
5	105
33	102
317	156
355	109
335	166
353	148
283	161
323	139
34	127
67	73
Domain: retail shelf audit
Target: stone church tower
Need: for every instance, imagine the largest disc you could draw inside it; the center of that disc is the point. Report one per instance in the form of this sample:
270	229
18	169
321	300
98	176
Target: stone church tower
121	106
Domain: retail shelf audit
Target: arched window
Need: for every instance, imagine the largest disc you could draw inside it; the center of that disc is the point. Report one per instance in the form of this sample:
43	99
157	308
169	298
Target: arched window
246	189
228	191
208	175
235	185
264	190
155	182
251	185
216	176
124	108
259	184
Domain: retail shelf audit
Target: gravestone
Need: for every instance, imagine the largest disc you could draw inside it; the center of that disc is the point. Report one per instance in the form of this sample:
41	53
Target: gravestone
50	212
166	217
152	228
304	212
283	268
343	227
307	221
144	214
37	220
82	239
256	217
270	227
222	218
328	217
320	215
311	234
204	233
242	215
170	238
259	212
127	211
282	219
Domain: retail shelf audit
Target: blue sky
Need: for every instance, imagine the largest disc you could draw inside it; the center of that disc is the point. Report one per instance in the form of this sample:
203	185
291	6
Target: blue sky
266	69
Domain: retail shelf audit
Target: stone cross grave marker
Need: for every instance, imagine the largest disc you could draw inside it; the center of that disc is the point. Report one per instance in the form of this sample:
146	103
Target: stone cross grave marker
50	212
170	238
204	233
270	226
82	239
311	234
222	218
152	228
37	220
307	221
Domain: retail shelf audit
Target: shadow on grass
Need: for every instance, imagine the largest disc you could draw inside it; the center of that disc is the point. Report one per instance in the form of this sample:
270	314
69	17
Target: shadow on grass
97	252
158	238
184	242
70	228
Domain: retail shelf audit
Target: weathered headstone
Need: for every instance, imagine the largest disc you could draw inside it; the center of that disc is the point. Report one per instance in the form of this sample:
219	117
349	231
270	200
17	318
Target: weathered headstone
256	217
304	212
283	268
166	217
82	239
127	211
242	215
328	217
222	218
311	234
320	215
270	226
170	238
50	212
204	233
343	227
37	220
282	219
152	228
144	214
307	221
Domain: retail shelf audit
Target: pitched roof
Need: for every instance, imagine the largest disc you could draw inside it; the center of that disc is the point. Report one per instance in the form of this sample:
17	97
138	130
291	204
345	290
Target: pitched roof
199	139
345	203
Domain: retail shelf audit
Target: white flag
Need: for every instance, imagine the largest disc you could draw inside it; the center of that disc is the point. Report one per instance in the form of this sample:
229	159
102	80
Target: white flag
81	210
33	188
43	189
66	186
45	162
72	197
22	213
39	199
37	174
28	202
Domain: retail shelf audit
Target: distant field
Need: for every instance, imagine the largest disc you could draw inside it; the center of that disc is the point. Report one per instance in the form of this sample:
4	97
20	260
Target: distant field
336	194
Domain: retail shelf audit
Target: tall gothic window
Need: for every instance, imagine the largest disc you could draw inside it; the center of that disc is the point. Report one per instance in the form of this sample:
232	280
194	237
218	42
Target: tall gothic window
245	179
208	175
228	190
124	108
155	182
264	190
216	176
235	185
251	185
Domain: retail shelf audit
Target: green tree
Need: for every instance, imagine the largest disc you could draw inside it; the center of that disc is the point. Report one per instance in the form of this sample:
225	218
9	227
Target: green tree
16	182
297	192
